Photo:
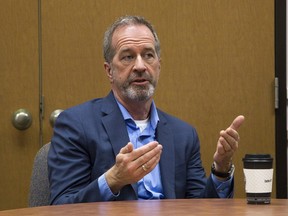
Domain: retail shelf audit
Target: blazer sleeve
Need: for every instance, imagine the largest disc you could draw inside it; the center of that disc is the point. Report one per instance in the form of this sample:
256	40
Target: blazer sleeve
198	186
69	165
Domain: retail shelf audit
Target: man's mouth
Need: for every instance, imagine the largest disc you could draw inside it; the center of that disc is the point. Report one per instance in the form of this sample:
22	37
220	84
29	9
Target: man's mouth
140	81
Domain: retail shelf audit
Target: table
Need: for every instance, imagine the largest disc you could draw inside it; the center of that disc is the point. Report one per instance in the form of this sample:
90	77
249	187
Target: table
158	208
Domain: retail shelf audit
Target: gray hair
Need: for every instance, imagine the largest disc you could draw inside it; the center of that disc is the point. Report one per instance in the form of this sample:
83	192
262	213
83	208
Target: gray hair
109	51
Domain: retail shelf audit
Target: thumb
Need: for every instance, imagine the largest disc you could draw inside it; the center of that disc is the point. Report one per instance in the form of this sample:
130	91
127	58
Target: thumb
238	121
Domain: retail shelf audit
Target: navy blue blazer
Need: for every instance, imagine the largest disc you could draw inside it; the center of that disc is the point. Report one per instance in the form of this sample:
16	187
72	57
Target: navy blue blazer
87	139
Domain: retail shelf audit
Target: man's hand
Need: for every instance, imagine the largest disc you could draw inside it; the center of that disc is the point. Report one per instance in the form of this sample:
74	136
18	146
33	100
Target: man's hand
227	145
132	165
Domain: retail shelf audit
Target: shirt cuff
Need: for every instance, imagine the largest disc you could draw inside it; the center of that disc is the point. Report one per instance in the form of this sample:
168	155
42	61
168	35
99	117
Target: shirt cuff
105	190
223	187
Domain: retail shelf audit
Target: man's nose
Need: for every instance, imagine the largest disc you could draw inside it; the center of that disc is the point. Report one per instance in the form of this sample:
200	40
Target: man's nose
139	64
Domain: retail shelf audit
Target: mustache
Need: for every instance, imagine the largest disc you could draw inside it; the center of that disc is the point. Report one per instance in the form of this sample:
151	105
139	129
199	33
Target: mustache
139	76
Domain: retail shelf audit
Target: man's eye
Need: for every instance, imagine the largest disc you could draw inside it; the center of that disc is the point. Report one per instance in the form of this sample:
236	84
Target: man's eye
149	55
127	58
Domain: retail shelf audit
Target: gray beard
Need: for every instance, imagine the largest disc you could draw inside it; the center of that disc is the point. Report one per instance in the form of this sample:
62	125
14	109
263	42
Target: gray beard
139	93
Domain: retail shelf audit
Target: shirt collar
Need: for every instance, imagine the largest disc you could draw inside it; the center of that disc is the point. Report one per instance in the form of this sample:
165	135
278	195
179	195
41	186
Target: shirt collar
154	118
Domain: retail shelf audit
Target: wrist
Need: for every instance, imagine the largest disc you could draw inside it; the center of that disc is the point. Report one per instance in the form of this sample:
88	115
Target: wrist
112	182
224	172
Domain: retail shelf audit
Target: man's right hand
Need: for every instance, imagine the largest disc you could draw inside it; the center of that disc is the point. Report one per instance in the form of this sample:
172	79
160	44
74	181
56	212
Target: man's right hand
132	165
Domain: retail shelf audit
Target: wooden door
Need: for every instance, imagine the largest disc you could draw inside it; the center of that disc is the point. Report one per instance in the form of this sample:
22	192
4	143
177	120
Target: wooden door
217	62
19	86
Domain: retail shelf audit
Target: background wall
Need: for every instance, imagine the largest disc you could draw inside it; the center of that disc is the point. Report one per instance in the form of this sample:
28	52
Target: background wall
217	63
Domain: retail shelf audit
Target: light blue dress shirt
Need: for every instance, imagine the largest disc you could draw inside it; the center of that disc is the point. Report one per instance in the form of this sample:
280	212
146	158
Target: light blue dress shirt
150	187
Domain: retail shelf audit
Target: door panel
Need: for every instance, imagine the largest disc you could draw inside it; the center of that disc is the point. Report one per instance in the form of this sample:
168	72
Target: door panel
19	86
72	63
217	62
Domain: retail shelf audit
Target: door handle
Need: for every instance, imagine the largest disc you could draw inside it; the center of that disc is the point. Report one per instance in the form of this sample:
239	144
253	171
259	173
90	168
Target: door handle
22	119
54	116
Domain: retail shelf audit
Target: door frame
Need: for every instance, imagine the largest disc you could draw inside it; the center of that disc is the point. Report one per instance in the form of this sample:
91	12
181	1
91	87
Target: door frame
281	111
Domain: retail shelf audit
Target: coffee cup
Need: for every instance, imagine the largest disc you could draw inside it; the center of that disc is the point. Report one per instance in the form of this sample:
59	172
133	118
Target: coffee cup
258	174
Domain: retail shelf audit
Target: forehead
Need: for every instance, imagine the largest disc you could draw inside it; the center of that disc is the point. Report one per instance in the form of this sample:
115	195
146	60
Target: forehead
136	35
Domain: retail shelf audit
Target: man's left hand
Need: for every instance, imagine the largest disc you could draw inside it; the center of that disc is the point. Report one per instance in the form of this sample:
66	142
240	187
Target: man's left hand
227	145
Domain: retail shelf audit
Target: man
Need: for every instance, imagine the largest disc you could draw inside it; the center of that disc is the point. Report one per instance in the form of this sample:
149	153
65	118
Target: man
122	147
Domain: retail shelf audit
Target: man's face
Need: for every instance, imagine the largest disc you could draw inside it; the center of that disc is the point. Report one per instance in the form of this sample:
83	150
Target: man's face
135	68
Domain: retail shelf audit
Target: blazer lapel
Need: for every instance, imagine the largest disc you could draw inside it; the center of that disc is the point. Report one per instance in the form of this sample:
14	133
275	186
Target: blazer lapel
114	124
116	128
167	162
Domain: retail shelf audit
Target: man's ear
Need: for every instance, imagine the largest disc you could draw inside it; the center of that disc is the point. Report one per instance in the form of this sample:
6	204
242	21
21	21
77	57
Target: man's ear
108	70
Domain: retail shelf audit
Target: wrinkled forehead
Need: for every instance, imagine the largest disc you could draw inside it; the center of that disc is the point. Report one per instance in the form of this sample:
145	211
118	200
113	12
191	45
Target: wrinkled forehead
132	34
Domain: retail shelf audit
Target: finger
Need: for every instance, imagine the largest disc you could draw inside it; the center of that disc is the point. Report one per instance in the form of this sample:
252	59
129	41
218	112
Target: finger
238	121
153	161
233	133
231	138
225	144
144	149
150	165
149	156
127	149
220	149
230	135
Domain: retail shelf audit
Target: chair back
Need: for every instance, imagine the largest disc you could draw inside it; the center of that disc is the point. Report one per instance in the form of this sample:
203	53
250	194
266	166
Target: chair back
39	185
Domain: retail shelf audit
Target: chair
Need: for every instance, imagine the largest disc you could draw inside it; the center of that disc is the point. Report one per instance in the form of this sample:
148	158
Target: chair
39	185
